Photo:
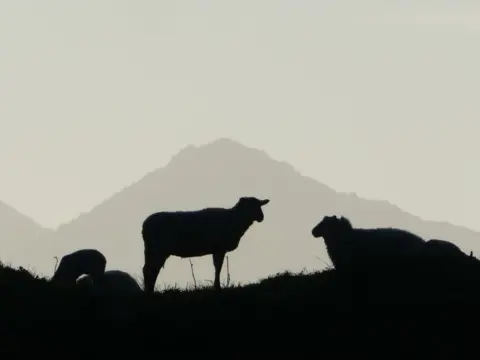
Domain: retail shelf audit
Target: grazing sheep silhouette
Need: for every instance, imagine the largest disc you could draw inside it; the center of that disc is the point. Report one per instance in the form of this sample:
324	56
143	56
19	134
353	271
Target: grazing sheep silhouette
85	261
351	249
209	231
112	282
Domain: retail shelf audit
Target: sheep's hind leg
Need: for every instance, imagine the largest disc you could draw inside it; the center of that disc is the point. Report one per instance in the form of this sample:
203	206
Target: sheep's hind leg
218	263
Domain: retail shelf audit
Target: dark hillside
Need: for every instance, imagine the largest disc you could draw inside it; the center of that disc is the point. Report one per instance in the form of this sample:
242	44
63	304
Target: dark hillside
316	314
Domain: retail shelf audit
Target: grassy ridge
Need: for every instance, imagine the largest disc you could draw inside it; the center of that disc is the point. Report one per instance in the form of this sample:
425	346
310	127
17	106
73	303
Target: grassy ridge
316	313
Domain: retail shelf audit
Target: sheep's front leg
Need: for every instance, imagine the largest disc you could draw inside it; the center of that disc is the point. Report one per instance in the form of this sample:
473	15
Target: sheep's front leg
218	263
153	263
150	274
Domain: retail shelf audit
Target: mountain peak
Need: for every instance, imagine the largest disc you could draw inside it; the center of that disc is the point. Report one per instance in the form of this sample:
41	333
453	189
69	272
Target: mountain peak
224	141
215	175
220	144
222	151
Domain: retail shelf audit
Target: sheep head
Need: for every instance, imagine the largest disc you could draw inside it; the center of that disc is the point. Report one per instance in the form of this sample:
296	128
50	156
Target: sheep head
331	225
65	272
251	207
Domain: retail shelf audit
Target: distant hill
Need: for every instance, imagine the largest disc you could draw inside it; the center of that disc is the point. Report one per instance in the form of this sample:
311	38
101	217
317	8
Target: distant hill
23	242
217	174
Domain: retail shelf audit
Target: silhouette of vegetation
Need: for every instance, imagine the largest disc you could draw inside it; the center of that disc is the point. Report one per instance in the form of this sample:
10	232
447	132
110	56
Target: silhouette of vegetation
428	296
316	313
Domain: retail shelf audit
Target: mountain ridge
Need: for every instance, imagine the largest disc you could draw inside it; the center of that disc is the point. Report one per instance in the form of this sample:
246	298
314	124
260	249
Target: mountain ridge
21	237
185	151
216	175
229	142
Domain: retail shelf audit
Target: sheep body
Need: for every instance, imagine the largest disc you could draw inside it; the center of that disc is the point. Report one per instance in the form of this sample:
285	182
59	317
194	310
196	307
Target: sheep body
85	261
112	282
118	292
209	231
443	248
352	248
443	255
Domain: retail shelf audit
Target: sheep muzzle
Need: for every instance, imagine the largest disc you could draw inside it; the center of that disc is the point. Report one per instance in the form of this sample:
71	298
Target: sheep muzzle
318	230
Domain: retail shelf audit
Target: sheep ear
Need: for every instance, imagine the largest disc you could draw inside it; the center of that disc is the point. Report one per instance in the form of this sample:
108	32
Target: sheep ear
264	202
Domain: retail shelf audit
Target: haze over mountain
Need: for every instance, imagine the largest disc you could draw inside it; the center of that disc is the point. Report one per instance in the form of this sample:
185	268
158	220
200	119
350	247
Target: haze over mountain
22	240
381	87
217	174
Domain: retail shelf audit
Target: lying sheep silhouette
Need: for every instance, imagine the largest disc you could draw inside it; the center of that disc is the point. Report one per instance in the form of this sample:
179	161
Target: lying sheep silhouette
112	282
85	261
119	292
444	255
444	249
210	231
351	249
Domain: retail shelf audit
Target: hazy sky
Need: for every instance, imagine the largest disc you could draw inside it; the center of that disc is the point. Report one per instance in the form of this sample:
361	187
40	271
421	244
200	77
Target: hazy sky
374	97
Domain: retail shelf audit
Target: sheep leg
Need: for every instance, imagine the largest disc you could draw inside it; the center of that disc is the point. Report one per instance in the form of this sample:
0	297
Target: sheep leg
150	272
218	263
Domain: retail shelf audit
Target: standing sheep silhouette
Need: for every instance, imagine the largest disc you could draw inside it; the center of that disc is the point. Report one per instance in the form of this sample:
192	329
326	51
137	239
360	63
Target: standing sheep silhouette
186	234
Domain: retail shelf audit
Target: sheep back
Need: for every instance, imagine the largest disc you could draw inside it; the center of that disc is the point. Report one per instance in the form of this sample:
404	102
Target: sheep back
191	233
112	282
77	263
366	248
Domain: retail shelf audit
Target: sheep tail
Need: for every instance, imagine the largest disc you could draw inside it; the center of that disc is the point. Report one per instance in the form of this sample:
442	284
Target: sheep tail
148	231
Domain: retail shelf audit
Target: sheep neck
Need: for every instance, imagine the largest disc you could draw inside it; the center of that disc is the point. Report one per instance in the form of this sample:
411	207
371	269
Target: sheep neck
239	228
335	244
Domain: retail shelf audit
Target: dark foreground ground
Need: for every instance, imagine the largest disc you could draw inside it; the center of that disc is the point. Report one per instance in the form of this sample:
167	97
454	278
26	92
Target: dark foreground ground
321	315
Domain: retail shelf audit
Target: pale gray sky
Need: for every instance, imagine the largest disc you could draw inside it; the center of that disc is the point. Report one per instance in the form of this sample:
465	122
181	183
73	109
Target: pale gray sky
374	97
